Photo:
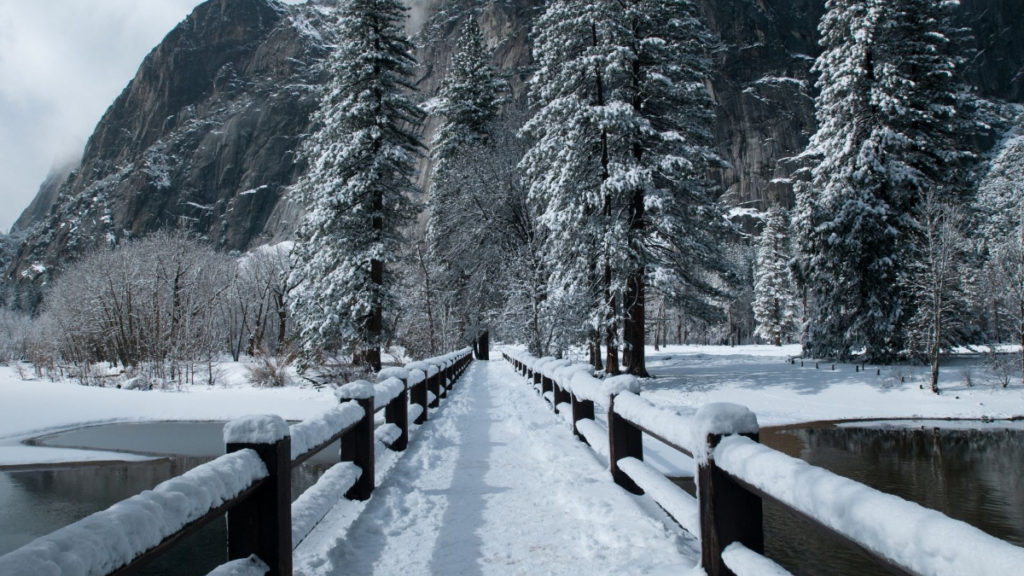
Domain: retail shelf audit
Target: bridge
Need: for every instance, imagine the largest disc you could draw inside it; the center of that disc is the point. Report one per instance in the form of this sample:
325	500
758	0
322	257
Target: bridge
523	466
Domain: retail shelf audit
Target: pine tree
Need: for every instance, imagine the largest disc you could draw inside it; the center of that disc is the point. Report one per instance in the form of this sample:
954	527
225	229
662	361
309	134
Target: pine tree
464	209
565	169
357	192
1001	206
469	97
887	113
774	295
659	171
623	140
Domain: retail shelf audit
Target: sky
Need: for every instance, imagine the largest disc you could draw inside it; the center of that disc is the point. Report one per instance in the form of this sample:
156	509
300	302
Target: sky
62	63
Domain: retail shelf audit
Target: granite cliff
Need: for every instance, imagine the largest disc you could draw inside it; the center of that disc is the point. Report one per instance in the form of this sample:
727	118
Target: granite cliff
206	135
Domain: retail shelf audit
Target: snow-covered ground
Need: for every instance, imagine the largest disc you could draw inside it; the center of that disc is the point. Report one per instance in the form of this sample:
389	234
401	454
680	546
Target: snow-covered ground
761	378
495	483
30	408
685	378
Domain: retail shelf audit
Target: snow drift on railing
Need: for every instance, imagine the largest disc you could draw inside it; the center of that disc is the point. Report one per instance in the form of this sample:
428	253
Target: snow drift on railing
255	429
387	390
414	412
314	431
251	566
596	435
386	434
311	507
357	390
921	540
416	376
665	423
745	562
392	372
103	542
428	368
672	498
719	418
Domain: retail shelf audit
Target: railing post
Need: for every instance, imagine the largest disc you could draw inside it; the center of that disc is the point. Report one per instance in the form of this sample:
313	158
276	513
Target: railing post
561	396
434	384
397	413
262	523
418	395
624	441
536	378
728	512
581	409
546	385
443	376
357	443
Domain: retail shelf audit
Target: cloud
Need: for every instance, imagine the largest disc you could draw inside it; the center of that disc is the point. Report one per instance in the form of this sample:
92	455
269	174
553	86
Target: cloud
62	63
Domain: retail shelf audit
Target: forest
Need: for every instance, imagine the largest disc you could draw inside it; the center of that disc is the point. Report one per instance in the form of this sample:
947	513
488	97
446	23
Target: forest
585	218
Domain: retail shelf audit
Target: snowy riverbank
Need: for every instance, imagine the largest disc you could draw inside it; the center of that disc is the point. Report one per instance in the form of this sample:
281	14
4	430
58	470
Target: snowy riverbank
685	378
30	408
762	378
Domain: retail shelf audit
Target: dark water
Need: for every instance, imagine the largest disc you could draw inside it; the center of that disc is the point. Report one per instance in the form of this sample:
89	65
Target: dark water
971	475
36	502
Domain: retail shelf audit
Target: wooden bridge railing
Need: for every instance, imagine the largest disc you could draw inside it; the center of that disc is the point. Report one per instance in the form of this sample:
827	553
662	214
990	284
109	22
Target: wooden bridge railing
251	483
735	474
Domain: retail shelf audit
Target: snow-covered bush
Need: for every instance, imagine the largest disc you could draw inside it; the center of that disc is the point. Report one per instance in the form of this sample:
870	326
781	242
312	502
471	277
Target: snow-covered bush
149	305
270	371
14	328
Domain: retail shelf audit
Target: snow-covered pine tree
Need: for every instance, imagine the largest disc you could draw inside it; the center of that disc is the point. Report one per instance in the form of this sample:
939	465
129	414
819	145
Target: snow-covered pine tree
886	112
565	169
469	97
461	228
357	192
774	296
660	122
931	117
624	138
1001	205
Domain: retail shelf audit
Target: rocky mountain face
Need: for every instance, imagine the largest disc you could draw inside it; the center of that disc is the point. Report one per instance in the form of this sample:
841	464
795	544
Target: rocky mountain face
206	136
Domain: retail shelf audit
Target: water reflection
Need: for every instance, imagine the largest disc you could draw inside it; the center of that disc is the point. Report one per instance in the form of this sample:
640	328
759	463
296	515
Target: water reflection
971	475
36	502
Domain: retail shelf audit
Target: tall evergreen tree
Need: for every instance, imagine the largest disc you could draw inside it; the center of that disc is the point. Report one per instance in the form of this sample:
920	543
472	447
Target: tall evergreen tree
624	138
774	296
1001	204
887	115
565	169
469	97
465	210
664	149
358	191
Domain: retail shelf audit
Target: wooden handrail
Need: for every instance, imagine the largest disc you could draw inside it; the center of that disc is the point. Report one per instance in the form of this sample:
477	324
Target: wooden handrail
730	506
259	516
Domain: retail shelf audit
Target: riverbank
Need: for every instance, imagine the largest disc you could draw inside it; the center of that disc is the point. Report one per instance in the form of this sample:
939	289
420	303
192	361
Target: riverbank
33	407
772	382
763	378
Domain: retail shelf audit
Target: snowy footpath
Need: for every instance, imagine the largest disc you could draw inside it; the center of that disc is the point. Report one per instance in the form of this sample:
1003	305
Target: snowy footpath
495	483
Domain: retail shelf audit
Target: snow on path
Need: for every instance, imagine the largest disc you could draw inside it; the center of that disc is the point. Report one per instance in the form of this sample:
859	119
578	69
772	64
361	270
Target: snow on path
494	483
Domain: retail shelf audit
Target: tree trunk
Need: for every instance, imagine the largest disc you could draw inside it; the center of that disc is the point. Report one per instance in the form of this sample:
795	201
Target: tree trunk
634	324
633	299
483	346
611	359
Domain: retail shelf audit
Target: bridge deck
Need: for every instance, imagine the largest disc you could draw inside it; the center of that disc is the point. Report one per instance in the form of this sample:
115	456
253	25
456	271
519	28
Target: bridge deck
495	484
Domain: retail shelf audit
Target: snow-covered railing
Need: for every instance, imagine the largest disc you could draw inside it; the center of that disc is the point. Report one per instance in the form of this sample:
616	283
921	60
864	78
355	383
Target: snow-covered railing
251	483
735	474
